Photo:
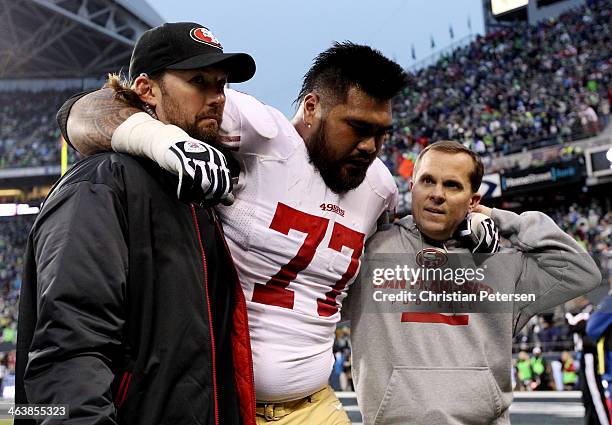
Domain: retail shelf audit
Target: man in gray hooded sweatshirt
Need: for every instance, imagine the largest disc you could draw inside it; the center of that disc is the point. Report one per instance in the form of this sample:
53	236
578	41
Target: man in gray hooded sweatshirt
416	367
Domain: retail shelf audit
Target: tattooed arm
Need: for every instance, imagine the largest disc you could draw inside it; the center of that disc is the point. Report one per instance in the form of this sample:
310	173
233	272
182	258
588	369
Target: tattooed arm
94	118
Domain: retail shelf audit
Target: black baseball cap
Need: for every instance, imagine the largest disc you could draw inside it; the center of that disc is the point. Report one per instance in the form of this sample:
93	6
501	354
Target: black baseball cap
186	45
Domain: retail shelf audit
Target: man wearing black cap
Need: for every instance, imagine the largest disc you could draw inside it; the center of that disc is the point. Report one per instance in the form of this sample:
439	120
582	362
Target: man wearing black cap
131	311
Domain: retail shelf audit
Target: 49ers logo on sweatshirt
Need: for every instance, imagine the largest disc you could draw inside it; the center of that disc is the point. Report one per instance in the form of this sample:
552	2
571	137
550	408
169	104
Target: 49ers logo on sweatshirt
204	35
431	257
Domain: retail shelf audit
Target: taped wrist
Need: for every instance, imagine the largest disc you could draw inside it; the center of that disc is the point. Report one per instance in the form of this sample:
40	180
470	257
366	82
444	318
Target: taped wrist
143	135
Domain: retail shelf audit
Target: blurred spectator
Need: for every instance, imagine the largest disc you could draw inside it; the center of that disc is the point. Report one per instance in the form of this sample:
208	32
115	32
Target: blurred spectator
337	370
589	120
539	366
347	385
342	353
569	371
524	372
557	374
343	334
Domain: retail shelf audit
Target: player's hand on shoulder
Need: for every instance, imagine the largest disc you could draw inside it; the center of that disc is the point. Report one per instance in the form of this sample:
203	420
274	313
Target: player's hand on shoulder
204	175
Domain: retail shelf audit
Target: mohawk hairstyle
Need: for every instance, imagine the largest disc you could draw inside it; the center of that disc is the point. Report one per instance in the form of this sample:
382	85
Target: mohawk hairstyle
346	65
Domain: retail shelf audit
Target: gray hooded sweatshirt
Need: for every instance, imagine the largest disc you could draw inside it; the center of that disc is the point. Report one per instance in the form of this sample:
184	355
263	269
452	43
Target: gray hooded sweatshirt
408	372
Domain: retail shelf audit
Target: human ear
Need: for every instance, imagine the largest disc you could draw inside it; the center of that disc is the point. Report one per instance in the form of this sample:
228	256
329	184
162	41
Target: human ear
474	201
311	107
145	88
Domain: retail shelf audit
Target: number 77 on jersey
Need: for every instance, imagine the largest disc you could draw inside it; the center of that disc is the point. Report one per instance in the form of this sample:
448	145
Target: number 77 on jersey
275	291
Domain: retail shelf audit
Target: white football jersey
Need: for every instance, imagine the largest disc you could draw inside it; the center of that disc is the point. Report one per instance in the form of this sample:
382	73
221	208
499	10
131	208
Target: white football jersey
296	244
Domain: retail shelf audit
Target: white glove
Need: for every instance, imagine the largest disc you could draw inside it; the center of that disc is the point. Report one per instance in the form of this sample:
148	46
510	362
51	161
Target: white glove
203	172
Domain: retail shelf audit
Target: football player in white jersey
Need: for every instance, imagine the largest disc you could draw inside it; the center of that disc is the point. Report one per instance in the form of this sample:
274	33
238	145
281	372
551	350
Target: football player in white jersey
309	194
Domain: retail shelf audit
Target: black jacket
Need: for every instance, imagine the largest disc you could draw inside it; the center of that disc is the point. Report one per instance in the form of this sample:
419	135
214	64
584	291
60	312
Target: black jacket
131	311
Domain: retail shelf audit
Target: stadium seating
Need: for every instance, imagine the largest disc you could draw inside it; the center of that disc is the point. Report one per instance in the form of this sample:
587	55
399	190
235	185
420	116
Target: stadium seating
518	88
13	237
28	131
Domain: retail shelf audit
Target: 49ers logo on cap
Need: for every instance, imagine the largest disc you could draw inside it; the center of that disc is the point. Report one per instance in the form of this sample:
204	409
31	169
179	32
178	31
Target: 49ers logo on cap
204	35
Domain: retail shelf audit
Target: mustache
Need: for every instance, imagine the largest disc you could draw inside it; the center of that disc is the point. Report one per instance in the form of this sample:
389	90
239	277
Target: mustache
362	157
214	113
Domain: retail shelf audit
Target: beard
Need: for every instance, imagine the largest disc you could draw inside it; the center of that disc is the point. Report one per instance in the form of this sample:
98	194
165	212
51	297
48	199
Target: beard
174	116
339	175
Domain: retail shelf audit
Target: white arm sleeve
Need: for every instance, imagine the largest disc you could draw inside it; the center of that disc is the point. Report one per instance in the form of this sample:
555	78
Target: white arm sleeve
143	135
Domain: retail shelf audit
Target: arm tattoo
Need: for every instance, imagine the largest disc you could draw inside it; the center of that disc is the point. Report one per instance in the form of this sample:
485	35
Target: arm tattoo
94	118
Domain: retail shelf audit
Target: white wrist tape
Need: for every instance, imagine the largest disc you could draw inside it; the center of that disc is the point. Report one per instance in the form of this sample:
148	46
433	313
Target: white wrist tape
143	135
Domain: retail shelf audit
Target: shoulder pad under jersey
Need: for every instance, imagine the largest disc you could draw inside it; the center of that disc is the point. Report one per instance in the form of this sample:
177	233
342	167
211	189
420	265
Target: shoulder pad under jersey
382	182
245	116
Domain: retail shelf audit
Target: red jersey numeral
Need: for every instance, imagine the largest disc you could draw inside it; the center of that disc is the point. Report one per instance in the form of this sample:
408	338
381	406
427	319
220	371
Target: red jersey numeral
275	291
341	236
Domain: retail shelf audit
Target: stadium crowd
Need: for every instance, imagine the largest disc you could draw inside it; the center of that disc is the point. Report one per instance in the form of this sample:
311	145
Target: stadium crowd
28	131
590	225
524	86
13	237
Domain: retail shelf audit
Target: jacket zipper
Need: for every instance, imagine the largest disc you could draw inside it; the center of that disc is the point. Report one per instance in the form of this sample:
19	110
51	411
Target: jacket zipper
242	299
210	319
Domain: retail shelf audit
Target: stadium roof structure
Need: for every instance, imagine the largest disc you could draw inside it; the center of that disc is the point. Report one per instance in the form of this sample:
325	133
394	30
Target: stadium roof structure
70	38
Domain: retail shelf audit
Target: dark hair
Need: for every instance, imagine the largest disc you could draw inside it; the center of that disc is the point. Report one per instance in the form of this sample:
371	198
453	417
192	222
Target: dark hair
451	146
346	65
